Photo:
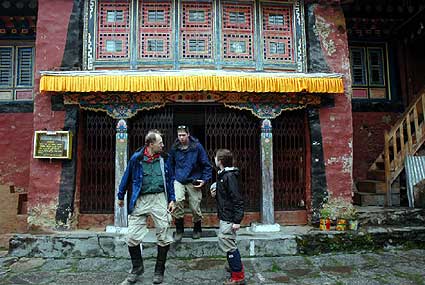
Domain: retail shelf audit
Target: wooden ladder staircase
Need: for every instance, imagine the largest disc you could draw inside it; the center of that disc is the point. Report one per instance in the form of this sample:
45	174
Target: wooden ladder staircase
405	138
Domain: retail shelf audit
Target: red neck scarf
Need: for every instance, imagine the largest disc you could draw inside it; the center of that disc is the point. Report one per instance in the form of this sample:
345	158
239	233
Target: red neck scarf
150	158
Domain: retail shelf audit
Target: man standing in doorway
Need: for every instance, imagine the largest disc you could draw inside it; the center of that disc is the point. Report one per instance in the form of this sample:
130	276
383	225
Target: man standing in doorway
152	194
191	169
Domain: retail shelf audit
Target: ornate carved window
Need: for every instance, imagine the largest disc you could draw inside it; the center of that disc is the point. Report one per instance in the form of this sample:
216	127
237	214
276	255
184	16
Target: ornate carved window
238	31
196	30
277	28
156	30
140	34
113	30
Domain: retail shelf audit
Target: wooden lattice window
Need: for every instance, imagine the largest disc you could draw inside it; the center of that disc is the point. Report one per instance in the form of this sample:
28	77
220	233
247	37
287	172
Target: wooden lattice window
238	31
113	29
368	66
277	33
156	29
196	30
141	34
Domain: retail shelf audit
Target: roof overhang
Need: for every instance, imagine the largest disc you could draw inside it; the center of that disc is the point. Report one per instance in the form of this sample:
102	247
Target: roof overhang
189	80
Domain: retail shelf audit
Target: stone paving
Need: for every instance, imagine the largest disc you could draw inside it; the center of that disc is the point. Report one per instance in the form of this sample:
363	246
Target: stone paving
390	266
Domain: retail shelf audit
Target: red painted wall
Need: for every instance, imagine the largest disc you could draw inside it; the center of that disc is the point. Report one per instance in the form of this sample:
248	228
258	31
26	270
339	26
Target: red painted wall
336	122
16	131
368	139
52	26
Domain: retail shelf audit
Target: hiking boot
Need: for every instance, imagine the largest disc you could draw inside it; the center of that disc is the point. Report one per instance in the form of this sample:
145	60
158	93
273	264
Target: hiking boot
178	235
137	265
133	276
197	230
161	258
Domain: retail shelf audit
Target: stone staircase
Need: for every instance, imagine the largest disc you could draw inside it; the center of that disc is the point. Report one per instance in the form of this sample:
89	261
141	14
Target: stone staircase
382	186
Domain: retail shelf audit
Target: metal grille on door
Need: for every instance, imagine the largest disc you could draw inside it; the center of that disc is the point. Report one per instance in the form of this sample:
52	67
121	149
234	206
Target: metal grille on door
98	171
223	128
289	161
238	131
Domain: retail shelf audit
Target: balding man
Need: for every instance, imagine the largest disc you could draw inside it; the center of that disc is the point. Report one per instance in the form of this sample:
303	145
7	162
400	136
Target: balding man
152	194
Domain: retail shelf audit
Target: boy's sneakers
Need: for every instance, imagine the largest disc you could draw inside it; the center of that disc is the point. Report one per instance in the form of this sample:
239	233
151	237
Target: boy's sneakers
238	278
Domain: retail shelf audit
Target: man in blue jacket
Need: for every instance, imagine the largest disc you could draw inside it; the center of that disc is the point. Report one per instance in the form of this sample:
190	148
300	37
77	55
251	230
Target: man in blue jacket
191	169
152	194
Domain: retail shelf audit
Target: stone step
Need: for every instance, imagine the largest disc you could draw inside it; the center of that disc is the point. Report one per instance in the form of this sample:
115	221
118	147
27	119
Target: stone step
291	240
394	216
374	199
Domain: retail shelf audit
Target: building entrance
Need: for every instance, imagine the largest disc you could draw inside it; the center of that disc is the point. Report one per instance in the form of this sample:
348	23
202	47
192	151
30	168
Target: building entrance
216	127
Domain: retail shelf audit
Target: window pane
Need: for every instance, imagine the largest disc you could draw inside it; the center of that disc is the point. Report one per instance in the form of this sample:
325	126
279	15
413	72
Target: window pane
196	16
277	48
115	16
376	66
156	16
237	17
237	47
6	67
358	66
156	45
113	46
276	19
25	66
196	45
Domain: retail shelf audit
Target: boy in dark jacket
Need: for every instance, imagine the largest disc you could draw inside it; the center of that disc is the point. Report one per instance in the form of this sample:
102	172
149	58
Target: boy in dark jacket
230	212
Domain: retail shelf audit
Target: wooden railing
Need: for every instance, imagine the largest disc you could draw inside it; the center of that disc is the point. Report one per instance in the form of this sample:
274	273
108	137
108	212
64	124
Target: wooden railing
405	138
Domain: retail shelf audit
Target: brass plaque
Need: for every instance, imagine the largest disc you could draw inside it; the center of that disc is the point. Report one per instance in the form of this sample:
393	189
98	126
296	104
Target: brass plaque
56	144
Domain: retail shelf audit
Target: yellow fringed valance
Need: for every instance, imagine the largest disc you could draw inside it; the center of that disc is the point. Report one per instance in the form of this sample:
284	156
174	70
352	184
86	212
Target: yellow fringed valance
106	81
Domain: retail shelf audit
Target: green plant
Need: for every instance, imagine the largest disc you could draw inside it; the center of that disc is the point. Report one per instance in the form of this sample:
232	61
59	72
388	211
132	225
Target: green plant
347	211
325	213
338	207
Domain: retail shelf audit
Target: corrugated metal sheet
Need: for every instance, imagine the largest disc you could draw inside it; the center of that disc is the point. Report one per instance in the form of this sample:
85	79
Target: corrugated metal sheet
415	172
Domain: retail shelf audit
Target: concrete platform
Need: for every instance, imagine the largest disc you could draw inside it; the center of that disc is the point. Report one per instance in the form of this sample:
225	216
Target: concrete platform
379	228
291	240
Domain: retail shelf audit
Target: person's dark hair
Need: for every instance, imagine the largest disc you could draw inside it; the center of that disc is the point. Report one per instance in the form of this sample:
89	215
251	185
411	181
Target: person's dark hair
151	136
183	128
225	156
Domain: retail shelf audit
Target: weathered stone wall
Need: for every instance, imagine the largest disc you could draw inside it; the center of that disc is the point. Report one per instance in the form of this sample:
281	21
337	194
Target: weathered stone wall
16	131
52	28
368	139
328	52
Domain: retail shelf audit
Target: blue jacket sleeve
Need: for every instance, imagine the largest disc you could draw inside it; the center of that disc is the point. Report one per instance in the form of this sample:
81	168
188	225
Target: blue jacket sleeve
171	164
125	181
205	162
169	181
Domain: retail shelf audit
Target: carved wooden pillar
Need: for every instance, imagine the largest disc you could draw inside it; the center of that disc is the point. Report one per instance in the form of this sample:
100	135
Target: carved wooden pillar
121	146
267	205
